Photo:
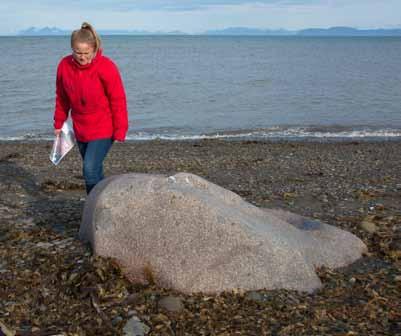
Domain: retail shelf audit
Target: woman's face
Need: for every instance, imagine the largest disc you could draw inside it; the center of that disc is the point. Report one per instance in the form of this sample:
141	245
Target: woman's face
83	52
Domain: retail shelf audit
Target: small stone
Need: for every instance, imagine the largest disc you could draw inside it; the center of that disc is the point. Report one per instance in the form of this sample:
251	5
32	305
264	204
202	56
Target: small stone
191	300
116	320
44	245
63	243
28	222
171	303
254	296
368	226
135	327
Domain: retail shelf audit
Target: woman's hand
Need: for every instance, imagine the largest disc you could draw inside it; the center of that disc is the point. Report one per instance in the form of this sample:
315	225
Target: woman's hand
57	132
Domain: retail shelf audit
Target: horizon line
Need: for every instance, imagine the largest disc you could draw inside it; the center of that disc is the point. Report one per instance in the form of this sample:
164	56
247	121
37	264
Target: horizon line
36	31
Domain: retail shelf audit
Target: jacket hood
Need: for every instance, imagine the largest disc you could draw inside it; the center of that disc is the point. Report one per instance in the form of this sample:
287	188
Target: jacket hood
95	60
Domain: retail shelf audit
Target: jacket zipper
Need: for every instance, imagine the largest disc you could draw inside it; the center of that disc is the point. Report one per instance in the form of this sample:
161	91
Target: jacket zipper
81	91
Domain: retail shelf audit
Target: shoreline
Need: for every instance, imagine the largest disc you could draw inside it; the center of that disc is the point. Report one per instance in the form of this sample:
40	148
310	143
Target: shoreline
324	134
295	140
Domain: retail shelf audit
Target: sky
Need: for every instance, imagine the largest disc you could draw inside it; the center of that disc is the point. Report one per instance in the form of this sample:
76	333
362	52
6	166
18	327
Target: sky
195	16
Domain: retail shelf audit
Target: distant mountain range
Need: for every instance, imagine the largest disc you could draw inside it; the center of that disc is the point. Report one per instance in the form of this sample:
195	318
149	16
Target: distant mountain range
33	31
231	31
347	31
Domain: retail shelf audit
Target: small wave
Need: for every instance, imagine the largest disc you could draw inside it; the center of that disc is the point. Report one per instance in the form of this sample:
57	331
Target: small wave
275	133
27	137
325	133
313	133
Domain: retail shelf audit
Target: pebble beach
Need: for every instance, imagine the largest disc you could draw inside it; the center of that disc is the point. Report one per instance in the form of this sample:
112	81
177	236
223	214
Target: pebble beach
52	284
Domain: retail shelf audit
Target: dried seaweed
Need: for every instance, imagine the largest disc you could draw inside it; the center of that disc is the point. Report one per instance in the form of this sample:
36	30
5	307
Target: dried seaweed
51	284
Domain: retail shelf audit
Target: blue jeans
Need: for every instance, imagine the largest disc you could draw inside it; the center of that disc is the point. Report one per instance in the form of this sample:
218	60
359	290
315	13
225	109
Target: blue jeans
93	154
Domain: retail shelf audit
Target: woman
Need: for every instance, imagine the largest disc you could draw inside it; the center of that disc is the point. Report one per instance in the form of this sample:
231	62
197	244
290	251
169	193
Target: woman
89	84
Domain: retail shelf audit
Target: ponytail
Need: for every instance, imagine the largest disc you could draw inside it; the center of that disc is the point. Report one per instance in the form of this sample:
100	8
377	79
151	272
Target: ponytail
87	34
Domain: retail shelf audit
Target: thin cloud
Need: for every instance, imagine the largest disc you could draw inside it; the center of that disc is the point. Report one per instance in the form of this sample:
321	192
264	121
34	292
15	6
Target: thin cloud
185	5
152	5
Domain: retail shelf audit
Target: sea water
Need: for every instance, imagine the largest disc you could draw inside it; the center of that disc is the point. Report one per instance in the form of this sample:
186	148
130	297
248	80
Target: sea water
235	87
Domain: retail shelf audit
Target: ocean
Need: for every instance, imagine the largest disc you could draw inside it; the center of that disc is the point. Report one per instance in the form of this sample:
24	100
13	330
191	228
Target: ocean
231	87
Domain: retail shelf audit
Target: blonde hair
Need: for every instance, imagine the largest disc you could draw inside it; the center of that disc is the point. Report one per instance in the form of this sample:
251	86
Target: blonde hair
87	34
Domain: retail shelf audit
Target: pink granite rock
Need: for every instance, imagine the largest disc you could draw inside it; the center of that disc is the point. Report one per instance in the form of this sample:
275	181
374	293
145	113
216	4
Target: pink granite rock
186	233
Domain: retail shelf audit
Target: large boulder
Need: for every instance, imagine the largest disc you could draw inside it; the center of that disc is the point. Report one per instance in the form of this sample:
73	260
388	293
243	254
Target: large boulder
186	233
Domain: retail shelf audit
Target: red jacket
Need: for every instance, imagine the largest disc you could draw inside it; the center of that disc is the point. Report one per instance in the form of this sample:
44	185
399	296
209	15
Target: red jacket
95	95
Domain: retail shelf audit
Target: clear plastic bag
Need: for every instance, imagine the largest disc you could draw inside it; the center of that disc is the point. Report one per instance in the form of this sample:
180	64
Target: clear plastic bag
62	144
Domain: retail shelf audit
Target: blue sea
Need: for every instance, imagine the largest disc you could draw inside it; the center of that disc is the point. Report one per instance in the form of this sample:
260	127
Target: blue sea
233	87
